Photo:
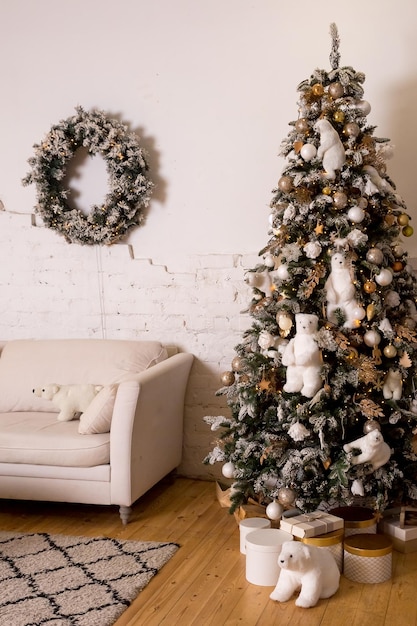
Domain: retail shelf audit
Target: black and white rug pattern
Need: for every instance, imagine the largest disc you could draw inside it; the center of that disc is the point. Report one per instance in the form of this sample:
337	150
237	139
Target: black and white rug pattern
58	580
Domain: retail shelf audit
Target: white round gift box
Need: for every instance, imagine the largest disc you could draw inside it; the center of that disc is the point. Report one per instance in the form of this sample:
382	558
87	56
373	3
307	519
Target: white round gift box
262	551
249	525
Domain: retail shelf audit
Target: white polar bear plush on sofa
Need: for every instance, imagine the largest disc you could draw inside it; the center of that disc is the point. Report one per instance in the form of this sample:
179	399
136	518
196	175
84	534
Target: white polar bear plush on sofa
373	449
71	399
311	569
303	358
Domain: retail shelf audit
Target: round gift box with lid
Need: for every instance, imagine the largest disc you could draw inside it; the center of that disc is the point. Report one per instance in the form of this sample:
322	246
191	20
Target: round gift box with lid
358	519
333	542
262	551
367	558
249	525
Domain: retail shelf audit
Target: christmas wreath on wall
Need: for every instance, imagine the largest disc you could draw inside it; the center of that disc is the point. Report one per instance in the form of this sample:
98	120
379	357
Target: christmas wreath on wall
129	186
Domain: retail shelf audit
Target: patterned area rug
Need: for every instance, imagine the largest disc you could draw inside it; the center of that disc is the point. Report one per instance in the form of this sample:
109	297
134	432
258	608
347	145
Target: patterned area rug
56	580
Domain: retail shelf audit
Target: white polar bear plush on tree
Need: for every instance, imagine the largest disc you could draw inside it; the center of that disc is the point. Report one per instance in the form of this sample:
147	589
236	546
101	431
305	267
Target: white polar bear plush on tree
373	449
340	293
302	358
311	569
330	150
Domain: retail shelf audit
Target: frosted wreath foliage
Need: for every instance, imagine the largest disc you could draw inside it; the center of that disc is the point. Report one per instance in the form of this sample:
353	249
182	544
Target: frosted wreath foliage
129	186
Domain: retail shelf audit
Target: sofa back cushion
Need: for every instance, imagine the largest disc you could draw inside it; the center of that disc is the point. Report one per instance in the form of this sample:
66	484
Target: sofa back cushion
29	363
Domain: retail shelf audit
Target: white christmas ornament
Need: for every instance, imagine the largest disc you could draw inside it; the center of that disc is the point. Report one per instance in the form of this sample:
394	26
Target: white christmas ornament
359	312
302	358
284	321
372	338
356	214
331	150
384	277
298	432
282	272
269	260
373	449
274	510
308	151
228	470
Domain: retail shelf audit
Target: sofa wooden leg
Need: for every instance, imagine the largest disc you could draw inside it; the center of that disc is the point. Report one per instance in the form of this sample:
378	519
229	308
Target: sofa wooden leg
125	512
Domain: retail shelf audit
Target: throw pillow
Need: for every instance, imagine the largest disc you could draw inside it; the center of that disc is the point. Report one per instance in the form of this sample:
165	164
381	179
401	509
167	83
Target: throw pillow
96	418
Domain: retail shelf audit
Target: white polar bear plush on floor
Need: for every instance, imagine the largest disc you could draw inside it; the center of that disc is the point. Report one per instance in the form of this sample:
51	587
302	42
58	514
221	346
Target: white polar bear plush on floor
330	150
71	399
311	569
302	358
340	293
373	449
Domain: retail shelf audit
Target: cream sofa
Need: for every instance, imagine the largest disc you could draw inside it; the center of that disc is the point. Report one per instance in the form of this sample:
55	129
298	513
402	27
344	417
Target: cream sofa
140	406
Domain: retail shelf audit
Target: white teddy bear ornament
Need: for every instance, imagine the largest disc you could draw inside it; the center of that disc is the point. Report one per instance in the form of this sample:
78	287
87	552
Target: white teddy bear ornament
393	385
311	569
331	149
340	293
302	357
373	449
70	399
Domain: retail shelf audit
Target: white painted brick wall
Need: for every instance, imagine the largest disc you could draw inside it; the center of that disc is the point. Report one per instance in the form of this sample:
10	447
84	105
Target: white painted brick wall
50	288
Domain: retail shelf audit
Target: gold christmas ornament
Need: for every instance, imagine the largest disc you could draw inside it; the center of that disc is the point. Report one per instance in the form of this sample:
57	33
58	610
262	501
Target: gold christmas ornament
369	286
403	219
227	379
297	146
237	364
390	351
370	311
327	191
397	266
318	89
408	231
339	116
389	219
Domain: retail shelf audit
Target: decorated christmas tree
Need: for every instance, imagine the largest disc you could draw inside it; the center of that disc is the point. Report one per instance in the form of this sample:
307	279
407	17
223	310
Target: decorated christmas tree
321	391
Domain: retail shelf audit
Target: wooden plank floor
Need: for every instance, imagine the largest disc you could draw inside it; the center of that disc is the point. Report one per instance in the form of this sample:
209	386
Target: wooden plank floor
204	583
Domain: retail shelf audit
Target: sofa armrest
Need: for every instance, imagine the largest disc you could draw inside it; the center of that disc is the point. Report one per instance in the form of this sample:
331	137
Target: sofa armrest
147	428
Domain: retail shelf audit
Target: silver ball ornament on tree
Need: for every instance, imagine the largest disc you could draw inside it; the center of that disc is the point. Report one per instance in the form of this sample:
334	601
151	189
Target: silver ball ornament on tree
286	496
285	183
371	425
375	255
274	510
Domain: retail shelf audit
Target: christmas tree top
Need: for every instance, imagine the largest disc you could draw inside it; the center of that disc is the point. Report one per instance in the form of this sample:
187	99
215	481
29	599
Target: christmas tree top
321	389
